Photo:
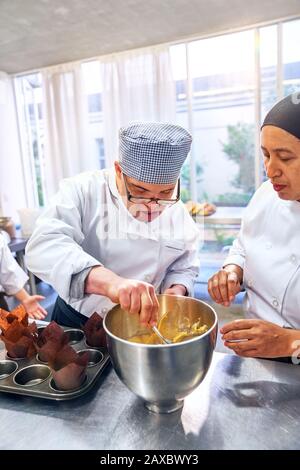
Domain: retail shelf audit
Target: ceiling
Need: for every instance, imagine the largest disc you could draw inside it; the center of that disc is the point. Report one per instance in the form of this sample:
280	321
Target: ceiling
38	33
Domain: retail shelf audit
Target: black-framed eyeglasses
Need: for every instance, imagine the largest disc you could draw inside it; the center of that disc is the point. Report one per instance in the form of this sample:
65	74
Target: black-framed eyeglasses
147	200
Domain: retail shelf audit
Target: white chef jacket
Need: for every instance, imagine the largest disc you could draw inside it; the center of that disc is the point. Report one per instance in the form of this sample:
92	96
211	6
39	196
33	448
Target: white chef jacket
268	250
87	224
12	277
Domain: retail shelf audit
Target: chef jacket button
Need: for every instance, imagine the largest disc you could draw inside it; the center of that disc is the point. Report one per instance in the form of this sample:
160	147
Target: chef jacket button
104	310
268	246
250	283
147	278
275	303
293	258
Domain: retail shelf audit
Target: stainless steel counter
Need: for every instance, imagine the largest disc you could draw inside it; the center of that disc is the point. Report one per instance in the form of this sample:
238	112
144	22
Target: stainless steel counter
242	404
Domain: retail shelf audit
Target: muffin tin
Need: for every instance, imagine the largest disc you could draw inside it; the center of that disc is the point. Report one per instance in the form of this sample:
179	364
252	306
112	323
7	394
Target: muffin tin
33	377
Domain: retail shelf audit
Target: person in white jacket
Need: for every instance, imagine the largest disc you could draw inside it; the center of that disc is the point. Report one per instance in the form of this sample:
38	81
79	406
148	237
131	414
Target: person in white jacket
12	281
265	257
120	235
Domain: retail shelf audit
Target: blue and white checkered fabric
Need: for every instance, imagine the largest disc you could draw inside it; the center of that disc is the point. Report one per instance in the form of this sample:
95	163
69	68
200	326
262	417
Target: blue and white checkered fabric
153	152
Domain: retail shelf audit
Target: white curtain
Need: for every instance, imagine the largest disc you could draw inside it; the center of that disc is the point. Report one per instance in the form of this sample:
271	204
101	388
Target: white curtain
137	85
12	187
67	150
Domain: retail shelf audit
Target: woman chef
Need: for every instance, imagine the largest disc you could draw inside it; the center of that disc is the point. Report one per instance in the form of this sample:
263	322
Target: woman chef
12	281
266	255
120	235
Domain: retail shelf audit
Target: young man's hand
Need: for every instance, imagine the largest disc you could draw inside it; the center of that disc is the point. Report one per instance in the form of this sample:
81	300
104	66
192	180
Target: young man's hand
134	296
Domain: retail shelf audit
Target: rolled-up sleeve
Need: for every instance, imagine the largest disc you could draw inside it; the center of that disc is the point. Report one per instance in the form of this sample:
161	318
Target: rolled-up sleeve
78	283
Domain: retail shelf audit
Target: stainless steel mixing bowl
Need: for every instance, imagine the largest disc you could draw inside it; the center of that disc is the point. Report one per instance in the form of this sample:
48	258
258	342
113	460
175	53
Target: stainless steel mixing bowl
162	375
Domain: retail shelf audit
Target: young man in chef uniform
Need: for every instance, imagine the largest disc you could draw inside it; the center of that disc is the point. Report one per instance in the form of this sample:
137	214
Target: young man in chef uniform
120	235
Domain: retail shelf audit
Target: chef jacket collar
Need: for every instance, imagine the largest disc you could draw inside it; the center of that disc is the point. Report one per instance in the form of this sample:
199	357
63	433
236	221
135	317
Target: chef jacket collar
292	205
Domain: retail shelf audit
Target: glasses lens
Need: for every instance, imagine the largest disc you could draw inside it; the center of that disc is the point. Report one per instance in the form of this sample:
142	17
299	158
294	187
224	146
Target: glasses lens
165	202
160	202
137	200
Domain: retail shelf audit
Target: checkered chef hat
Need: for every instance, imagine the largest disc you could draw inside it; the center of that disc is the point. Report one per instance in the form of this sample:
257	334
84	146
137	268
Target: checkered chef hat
153	152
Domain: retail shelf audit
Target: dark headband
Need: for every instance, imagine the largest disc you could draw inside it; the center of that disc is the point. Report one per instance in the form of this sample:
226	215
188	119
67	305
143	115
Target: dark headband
286	115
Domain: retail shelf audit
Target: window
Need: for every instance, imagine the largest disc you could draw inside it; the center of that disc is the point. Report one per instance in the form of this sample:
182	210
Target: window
291	56
93	91
222	75
215	99
179	66
268	52
101	153
30	114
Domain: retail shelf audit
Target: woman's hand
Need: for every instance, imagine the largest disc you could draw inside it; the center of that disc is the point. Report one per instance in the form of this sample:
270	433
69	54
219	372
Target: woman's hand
225	284
33	308
260	338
